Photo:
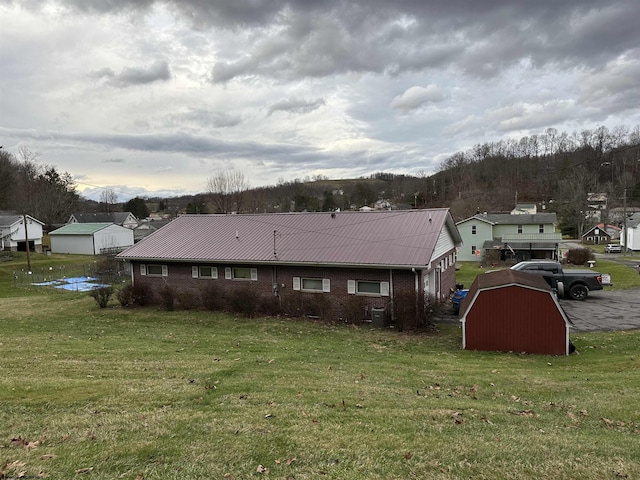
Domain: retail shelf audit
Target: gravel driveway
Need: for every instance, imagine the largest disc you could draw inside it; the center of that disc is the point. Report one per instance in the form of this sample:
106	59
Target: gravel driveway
604	311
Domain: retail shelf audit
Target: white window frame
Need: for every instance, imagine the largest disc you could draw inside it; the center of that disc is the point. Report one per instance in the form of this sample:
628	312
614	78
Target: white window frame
474	230
541	228
520	229
229	274
298	285
144	270
352	288
196	271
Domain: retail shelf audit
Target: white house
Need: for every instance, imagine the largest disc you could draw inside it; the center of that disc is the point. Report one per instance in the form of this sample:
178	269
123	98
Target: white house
633	233
13	235
90	238
124	219
518	237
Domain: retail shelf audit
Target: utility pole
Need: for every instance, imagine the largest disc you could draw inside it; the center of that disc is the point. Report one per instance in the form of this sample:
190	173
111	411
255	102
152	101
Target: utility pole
26	242
624	220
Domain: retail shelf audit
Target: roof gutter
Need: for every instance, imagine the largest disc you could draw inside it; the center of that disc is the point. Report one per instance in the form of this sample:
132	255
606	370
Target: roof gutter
272	263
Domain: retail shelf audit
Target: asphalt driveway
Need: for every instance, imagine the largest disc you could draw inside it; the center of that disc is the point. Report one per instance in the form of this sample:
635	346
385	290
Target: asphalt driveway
604	311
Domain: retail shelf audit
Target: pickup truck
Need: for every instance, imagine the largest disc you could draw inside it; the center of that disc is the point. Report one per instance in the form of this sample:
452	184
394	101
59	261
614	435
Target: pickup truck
574	284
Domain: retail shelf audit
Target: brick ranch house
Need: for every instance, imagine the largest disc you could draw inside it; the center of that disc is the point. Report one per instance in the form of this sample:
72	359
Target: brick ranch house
306	261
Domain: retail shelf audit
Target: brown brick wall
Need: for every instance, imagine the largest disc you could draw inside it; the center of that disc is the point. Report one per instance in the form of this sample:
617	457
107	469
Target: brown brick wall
336	304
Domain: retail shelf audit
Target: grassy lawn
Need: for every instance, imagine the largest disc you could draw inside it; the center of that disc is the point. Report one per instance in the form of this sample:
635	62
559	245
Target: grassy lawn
145	394
622	276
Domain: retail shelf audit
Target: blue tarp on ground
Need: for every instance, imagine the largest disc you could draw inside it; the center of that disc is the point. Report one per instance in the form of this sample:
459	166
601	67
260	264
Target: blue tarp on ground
74	284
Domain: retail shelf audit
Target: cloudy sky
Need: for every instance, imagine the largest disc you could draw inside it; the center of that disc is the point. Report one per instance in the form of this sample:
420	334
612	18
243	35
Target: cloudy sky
153	97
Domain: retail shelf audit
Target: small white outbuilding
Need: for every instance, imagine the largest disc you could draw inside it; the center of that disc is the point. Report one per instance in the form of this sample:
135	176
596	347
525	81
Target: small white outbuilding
90	238
13	233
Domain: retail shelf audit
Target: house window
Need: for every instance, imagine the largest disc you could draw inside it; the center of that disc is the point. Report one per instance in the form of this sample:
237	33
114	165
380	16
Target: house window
473	229
473	249
519	228
241	273
154	270
541	228
204	272
312	284
366	287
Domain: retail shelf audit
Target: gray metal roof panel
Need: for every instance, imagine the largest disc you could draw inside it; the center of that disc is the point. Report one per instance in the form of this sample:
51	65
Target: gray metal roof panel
356	238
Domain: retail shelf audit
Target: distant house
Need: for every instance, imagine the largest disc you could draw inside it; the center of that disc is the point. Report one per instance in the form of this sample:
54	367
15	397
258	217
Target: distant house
525	209
124	219
145	228
13	234
613	231
596	203
513	311
633	233
90	238
376	261
506	236
596	236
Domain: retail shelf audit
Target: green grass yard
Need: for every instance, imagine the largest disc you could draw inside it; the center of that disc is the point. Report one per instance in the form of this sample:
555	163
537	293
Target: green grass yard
145	394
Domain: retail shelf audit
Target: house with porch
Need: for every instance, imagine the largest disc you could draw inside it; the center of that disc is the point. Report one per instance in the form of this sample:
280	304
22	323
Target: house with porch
16	235
509	237
376	260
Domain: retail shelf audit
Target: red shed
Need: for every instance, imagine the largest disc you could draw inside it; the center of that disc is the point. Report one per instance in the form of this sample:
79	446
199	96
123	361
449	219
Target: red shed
513	311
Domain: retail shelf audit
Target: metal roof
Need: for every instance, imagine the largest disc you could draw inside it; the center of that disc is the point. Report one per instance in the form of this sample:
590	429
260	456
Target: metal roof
502	278
102	217
80	228
509	219
8	220
389	238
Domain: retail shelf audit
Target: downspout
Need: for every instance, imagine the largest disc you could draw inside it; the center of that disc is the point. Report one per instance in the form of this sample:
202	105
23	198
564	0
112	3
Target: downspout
391	293
416	287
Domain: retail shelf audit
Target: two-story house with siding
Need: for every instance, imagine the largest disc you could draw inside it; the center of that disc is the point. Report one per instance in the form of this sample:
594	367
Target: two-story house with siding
509	237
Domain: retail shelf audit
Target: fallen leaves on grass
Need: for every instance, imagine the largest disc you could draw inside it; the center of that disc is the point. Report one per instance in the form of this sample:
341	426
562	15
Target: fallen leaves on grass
21	442
85	470
15	466
474	390
525	413
262	469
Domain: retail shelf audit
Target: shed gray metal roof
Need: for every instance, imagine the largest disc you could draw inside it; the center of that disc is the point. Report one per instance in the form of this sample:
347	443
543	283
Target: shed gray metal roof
81	228
388	238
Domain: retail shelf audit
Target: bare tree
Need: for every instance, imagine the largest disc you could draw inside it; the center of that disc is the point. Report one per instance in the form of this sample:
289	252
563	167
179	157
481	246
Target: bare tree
8	168
42	191
227	190
108	199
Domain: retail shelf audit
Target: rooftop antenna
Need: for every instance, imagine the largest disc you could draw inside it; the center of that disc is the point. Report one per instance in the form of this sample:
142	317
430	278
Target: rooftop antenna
237	234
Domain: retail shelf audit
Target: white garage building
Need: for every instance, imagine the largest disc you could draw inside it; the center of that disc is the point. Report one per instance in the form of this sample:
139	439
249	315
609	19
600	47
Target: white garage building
90	238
